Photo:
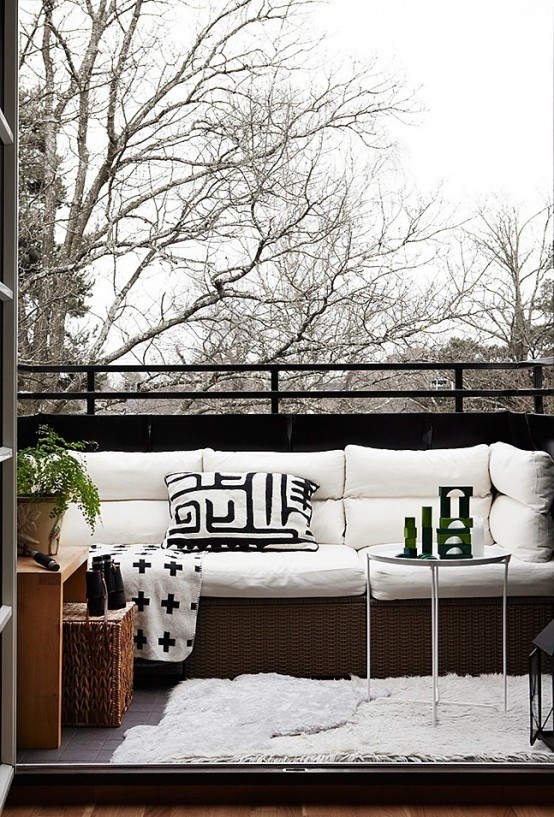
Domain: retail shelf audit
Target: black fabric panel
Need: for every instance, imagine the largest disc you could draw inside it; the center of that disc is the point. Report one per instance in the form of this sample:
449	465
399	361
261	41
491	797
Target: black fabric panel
129	432
316	432
541	430
471	428
520	435
224	432
303	432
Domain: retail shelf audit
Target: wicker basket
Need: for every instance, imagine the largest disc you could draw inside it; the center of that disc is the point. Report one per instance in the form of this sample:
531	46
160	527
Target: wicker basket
97	675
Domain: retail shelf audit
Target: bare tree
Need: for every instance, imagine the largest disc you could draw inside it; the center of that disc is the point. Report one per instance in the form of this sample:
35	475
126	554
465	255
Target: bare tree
503	274
505	270
209	189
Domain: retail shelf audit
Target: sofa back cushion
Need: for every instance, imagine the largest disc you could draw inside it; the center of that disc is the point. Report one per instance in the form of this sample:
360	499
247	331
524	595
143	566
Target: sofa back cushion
383	486
133	493
325	468
123	521
137	474
520	517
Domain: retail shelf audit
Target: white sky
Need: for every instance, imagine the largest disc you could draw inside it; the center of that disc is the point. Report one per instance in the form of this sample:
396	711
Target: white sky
485	69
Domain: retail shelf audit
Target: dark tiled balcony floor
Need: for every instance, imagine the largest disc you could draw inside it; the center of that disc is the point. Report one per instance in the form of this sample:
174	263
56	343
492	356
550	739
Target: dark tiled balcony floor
97	744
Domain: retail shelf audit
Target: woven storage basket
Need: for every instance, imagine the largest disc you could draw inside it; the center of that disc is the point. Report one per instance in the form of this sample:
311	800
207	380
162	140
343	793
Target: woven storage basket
97	676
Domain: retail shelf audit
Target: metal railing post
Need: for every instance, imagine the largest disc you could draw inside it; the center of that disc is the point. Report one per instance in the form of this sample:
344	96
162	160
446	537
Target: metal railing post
91	387
538	384
275	387
459	384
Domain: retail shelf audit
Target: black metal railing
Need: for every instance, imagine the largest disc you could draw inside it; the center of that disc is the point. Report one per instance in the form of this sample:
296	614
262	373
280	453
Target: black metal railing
275	393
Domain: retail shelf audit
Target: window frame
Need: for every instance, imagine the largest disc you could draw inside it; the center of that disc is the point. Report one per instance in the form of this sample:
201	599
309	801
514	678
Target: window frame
8	444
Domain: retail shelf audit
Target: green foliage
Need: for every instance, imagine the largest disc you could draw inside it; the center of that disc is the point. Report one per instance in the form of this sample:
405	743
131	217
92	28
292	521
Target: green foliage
50	471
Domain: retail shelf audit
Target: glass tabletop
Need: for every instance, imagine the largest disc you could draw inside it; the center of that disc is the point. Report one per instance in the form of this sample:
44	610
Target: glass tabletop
392	554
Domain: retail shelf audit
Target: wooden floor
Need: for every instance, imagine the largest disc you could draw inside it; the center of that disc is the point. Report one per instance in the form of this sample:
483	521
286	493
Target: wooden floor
279	811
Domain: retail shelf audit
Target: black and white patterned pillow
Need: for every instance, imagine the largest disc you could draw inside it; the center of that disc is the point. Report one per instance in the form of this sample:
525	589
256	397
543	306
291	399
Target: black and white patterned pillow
239	511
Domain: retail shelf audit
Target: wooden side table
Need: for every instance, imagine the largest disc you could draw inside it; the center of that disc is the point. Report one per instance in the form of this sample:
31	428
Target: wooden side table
40	596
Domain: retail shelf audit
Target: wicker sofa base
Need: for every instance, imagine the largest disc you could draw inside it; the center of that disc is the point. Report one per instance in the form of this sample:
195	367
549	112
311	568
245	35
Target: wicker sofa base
326	637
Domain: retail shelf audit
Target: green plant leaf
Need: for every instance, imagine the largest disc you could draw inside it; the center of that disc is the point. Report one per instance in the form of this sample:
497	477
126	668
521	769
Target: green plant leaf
51	470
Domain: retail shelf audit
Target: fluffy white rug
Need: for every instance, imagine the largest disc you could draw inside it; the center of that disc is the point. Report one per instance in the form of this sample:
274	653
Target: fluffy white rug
272	718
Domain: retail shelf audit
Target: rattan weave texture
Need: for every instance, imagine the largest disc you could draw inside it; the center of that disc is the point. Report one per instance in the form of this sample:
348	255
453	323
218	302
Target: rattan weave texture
326	637
97	669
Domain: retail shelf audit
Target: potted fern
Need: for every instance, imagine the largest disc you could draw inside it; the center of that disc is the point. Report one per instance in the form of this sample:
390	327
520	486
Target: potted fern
49	477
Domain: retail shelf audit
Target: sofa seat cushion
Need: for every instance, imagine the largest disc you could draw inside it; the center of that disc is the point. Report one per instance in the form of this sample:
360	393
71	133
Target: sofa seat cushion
325	468
403	581
333	570
384	486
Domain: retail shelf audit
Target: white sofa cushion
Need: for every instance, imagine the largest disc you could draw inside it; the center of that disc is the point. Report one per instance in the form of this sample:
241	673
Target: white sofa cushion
333	570
133	494
130	522
326	468
520	517
383	486
522	530
381	521
526	476
137	474
404	581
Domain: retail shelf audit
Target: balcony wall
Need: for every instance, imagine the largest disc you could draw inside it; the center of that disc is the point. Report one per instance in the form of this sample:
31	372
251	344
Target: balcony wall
296	432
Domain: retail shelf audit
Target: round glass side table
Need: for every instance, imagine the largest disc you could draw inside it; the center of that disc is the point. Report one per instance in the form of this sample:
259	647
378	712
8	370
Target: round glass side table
390	555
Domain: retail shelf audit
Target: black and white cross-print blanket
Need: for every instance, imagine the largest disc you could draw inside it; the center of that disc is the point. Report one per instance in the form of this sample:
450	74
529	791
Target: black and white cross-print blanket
165	586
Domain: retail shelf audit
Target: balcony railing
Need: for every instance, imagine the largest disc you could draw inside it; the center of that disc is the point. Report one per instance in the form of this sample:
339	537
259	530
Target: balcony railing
447	382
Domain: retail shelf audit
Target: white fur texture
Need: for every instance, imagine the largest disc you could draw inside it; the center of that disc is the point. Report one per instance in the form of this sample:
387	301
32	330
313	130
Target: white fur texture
270	718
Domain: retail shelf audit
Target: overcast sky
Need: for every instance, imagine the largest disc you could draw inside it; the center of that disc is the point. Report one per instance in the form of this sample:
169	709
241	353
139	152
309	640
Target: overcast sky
485	68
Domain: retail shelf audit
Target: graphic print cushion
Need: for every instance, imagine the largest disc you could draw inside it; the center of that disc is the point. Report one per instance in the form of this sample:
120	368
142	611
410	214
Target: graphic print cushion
242	511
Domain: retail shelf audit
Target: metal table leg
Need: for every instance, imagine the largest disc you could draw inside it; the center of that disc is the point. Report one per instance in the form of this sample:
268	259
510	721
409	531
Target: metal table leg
368	628
435	638
434	567
504	635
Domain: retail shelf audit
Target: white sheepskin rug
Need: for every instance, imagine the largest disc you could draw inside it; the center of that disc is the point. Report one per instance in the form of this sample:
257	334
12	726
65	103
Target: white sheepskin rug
270	718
